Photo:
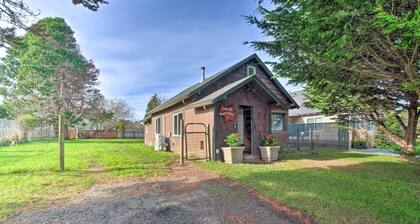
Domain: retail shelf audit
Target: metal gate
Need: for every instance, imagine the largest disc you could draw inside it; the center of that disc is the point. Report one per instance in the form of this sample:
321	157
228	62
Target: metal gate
195	141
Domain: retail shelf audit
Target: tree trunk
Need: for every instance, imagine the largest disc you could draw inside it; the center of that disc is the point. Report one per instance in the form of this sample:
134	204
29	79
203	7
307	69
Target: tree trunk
411	132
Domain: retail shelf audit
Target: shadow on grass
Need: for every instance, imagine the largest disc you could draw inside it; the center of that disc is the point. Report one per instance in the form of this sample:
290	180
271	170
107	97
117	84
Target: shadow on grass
83	171
327	155
358	193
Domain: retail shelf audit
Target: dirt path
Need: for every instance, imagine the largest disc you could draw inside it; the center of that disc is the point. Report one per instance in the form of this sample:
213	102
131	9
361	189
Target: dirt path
187	195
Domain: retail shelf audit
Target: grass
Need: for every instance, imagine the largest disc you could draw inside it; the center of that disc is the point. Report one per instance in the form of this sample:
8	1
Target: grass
337	186
29	175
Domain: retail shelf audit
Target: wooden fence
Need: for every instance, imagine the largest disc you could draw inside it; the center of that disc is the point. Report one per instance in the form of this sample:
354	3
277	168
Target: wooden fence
86	134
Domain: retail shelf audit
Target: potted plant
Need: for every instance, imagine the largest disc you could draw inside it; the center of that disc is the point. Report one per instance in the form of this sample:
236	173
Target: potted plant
270	148
234	152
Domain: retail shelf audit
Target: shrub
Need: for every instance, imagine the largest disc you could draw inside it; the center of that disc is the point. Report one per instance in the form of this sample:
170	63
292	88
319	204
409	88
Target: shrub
359	143
269	140
382	142
6	142
233	140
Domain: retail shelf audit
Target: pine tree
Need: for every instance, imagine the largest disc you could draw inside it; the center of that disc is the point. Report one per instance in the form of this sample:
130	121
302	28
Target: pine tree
154	101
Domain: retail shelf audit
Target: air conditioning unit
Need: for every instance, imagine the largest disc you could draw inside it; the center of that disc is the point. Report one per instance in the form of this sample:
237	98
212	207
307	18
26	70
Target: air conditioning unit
160	142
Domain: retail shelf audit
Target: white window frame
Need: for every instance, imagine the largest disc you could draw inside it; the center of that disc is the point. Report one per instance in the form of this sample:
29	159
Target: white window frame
156	125
252	67
314	122
176	114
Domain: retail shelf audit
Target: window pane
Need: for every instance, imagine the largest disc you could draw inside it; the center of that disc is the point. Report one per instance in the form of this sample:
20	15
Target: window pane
175	124
310	121
251	70
318	123
157	125
179	124
277	122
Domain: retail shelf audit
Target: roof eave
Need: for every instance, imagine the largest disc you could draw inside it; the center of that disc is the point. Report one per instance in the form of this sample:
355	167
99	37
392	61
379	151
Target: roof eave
278	83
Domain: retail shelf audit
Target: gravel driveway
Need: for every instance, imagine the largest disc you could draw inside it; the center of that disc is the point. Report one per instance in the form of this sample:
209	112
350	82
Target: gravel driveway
187	195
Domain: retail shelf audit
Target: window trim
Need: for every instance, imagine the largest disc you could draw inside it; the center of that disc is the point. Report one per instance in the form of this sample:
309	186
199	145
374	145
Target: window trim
271	121
156	126
176	114
247	70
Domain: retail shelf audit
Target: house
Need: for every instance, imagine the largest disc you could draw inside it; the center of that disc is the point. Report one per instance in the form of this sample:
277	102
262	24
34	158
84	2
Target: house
307	115
243	98
327	130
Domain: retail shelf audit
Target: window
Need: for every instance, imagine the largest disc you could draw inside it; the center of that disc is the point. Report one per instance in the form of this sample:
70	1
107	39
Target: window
370	126
157	125
250	70
315	123
277	121
356	123
176	124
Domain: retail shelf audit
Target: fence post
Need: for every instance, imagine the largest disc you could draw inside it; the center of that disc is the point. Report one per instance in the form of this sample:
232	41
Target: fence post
181	159
208	141
298	139
61	139
312	139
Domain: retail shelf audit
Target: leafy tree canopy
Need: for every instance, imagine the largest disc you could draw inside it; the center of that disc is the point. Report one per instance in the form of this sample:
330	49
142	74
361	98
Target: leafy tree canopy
358	57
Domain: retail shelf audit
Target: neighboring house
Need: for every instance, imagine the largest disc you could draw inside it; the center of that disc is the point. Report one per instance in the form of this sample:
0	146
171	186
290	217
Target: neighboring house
243	98
307	115
327	129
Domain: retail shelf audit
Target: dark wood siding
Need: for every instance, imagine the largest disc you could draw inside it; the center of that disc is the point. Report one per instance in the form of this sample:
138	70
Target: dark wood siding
241	73
260	118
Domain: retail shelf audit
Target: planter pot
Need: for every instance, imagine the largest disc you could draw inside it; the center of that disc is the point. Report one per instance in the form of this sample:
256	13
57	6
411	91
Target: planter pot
233	154
269	153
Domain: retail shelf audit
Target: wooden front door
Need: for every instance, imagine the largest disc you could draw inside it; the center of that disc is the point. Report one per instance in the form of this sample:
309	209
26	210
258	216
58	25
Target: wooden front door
244	126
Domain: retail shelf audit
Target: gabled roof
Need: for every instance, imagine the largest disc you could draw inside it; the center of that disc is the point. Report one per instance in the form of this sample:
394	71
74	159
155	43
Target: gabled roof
201	85
300	98
230	88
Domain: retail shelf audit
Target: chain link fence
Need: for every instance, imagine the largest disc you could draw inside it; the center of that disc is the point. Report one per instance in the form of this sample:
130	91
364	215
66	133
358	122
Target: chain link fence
27	148
319	136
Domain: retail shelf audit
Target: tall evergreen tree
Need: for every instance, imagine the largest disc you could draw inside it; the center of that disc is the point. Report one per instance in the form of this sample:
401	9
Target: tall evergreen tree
154	101
357	57
45	74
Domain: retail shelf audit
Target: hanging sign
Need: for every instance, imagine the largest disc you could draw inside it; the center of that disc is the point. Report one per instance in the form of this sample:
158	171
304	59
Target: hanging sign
227	113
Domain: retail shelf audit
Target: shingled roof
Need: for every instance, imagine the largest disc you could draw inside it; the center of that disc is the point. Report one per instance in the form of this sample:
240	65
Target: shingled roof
201	85
300	98
228	89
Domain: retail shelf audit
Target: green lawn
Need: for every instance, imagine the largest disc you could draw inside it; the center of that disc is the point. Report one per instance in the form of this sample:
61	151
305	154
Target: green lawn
29	175
337	186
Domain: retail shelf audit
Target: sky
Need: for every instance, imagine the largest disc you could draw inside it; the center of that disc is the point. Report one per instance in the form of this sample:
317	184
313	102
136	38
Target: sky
158	46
